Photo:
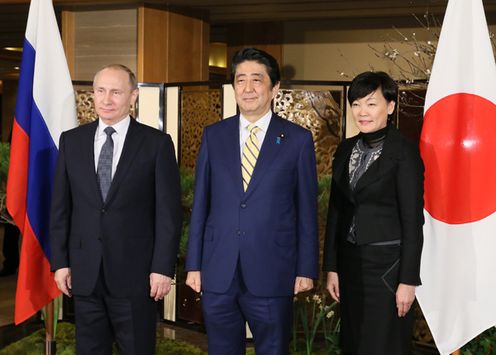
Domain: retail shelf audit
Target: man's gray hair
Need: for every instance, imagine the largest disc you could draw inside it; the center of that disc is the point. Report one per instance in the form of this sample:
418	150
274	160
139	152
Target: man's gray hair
132	78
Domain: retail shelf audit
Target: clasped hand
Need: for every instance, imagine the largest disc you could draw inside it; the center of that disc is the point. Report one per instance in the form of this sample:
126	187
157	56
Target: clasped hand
160	285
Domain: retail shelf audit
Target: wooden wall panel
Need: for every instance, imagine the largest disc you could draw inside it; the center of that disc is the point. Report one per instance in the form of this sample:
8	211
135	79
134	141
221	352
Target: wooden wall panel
153	29
157	44
172	47
8	97
188	56
69	39
104	37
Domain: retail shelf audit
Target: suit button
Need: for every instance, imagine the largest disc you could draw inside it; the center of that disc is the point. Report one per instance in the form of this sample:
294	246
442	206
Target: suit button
102	210
243	205
238	232
99	238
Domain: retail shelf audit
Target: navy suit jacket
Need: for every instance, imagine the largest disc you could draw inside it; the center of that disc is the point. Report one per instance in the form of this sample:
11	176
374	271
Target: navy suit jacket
272	227
135	231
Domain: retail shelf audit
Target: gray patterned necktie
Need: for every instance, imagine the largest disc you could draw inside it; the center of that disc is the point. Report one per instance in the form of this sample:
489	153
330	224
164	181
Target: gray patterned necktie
104	170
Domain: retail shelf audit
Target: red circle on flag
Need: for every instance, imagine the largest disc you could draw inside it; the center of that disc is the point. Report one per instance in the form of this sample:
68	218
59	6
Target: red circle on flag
458	147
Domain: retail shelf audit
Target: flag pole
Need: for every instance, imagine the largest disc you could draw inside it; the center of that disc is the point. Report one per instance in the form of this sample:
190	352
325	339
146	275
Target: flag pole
456	352
45	107
50	344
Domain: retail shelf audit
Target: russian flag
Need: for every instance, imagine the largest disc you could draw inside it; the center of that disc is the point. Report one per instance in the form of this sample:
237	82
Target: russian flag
45	107
458	294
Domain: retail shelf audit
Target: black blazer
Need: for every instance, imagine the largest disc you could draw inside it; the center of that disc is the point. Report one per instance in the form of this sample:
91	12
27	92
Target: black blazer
136	231
387	202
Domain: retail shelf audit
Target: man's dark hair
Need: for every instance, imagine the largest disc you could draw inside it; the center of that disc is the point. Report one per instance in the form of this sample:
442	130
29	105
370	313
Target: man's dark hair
368	82
259	56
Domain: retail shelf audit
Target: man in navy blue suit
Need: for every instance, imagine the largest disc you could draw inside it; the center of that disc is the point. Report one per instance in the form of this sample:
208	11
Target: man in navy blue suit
253	236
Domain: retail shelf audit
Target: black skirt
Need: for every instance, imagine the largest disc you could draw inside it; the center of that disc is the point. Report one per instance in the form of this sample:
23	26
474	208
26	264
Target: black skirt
368	279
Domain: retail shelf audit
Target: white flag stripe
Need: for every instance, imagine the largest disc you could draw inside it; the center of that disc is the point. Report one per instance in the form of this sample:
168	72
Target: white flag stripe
464	58
458	292
56	101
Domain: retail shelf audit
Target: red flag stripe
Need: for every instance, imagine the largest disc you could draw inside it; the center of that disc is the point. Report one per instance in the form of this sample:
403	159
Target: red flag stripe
29	284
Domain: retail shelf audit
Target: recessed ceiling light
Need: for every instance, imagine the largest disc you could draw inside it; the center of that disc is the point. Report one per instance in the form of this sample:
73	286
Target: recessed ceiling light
17	68
13	49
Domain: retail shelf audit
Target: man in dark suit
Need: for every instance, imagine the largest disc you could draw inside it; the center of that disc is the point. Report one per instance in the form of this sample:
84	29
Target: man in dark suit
253	235
115	221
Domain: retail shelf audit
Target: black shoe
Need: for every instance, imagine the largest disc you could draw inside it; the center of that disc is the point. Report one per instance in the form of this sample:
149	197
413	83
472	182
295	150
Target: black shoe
7	272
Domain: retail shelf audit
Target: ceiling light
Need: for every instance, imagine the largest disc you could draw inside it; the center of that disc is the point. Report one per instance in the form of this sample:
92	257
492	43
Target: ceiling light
13	49
218	55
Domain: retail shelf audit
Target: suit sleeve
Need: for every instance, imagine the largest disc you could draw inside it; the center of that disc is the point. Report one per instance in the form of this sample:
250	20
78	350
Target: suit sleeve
60	212
410	190
200	208
308	240
168	211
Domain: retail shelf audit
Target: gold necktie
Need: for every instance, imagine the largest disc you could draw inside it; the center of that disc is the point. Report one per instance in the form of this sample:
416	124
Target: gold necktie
249	158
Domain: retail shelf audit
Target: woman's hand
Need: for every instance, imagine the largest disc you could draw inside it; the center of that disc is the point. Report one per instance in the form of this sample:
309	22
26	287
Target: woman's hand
333	285
405	295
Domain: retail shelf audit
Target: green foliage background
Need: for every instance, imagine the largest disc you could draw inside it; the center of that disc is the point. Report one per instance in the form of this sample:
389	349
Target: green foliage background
4	169
4	164
66	344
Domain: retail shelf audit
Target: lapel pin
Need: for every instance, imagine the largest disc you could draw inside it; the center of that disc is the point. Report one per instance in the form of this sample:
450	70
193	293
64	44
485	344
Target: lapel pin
278	139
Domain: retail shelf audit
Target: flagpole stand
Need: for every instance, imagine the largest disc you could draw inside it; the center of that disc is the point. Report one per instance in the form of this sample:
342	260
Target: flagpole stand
50	347
50	344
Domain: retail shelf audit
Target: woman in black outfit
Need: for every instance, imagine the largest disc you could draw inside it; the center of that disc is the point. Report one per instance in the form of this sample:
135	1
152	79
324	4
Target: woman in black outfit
374	230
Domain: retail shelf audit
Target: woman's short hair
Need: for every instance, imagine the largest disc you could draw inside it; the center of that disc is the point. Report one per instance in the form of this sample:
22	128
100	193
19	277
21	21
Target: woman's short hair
259	56
367	82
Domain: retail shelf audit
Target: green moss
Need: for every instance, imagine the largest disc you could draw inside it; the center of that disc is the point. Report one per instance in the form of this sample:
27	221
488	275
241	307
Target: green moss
34	344
175	347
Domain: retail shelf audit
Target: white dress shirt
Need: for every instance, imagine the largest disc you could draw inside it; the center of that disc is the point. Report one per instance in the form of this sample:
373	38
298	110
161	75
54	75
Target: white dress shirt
244	133
118	137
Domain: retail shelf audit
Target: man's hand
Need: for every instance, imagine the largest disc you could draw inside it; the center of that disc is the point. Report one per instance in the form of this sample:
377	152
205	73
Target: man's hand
302	284
63	280
333	285
405	295
160	285
193	280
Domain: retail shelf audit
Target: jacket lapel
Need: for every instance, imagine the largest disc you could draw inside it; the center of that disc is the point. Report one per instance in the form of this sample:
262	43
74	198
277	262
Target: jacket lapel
129	151
88	158
269	150
384	163
230	146
340	167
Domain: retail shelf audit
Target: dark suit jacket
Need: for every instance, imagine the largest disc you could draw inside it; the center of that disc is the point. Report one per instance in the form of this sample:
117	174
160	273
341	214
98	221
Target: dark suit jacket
272	227
136	231
387	202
